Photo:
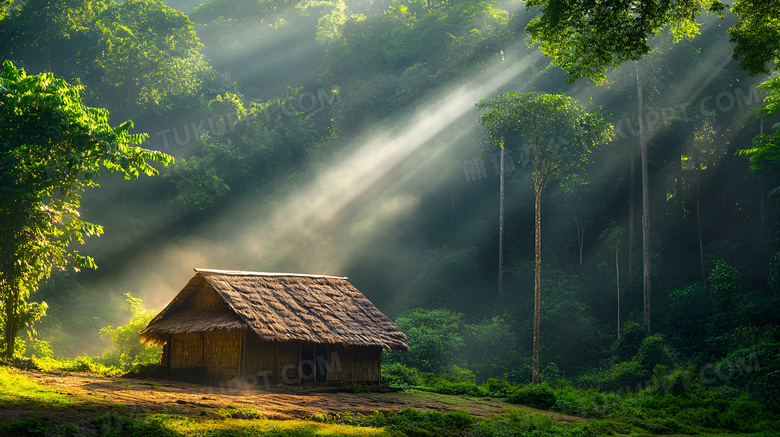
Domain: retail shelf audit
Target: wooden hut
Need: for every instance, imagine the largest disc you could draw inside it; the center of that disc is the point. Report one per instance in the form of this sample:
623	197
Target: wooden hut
285	328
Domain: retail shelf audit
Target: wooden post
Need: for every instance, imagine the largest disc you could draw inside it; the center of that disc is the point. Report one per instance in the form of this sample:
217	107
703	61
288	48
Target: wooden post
169	345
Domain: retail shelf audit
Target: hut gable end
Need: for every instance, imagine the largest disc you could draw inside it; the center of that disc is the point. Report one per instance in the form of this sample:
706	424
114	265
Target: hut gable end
208	299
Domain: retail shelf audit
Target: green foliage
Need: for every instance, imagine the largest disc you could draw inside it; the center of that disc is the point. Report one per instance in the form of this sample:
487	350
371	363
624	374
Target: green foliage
636	357
53	148
538	396
248	148
130	352
727	311
78	364
765	153
633	333
434	339
490	348
688	314
654	351
18	389
398	375
414	422
756	35
553	129
587	38
133	55
386	62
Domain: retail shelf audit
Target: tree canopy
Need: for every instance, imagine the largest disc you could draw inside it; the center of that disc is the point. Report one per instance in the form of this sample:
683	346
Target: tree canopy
585	38
53	147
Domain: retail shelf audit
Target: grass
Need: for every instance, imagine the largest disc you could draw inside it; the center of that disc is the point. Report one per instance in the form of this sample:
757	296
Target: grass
17	391
79	364
699	413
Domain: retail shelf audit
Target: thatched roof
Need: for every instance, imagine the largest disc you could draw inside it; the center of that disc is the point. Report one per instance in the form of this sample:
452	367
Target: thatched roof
279	307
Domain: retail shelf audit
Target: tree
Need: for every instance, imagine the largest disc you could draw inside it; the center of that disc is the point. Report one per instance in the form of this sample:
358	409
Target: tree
129	350
580	207
765	153
52	147
645	201
756	36
557	134
613	236
585	38
435	338
131	55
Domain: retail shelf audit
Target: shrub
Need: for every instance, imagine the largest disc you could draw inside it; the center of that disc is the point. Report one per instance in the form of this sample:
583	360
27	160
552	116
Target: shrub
129	350
396	374
538	396
434	339
654	351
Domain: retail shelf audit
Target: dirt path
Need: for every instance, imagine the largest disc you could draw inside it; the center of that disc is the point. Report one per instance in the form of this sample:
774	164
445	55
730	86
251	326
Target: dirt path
95	394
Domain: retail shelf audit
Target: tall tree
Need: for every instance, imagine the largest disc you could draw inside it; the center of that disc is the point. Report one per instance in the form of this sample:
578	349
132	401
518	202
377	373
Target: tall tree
586	38
613	236
52	148
645	201
501	224
557	134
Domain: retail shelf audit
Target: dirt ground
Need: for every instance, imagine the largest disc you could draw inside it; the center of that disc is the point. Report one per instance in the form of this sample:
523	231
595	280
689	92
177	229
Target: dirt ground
93	395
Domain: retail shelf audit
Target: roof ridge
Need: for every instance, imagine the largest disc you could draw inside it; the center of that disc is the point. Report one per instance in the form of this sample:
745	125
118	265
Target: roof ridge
248	273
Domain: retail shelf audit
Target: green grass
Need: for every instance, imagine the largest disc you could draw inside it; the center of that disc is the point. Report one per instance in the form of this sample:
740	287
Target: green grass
79	364
699	412
162	425
16	391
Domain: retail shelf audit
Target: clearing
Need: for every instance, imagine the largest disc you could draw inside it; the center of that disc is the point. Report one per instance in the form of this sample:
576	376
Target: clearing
91	395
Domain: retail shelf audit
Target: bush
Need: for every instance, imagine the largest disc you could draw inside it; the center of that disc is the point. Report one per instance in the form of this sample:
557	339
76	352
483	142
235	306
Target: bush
629	342
622	375
398	375
654	351
434	339
538	396
130	352
498	388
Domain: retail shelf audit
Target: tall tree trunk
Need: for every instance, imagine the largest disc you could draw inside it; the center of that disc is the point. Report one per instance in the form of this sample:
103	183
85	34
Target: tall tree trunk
501	227
537	281
645	203
617	281
631	202
698	221
11	321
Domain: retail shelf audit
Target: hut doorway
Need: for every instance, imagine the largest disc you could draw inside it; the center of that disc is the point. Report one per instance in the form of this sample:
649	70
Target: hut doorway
307	368
313	366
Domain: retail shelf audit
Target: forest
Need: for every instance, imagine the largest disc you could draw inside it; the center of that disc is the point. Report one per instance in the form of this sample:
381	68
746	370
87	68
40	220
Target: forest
569	206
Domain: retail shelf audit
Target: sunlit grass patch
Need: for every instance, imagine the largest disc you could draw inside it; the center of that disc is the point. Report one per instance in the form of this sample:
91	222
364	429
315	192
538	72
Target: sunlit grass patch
79	364
238	412
16	388
178	425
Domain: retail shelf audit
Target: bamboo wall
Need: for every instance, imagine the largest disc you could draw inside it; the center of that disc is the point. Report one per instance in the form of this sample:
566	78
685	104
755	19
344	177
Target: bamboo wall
306	362
226	354
242	353
358	363
217	351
